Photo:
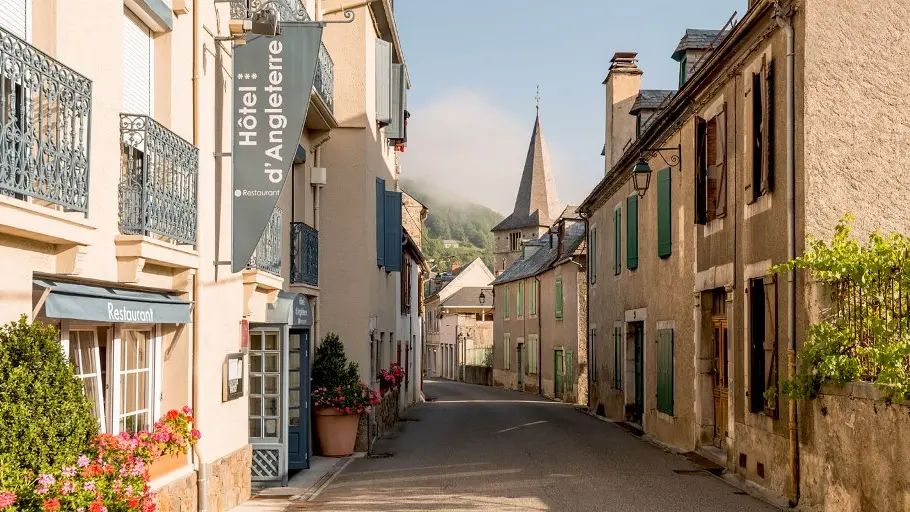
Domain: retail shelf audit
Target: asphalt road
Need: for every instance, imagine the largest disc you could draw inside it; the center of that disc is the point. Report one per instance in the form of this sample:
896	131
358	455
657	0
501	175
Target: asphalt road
480	448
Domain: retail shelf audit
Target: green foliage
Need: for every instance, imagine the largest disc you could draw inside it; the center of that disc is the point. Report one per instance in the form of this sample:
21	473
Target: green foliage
865	335
331	368
45	419
468	223
488	359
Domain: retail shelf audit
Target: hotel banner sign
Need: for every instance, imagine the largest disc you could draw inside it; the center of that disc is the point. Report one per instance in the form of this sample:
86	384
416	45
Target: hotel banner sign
273	77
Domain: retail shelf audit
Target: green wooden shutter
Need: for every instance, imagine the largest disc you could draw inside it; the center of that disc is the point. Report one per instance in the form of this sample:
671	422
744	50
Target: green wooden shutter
632	232
380	221
617	241
665	371
569	362
617	357
559	298
664	214
506	304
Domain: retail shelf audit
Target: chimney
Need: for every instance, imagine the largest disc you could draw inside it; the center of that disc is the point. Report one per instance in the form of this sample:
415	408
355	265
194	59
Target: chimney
623	84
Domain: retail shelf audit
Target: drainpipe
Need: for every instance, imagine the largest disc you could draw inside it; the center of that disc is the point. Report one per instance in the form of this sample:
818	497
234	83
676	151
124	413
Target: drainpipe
784	18
202	501
539	348
317	162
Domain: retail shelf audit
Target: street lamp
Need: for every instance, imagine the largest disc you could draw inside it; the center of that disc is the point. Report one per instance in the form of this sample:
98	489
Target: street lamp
641	172
483	312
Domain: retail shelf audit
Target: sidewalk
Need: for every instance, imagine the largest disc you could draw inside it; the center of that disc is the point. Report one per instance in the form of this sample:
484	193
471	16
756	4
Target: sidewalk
304	486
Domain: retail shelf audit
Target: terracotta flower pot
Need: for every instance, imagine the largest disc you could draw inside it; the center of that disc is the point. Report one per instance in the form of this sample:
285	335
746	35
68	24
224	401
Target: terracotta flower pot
337	432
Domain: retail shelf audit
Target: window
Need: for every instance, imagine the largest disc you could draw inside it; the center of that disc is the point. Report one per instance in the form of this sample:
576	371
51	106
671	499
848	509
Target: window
711	168
532	298
683	64
506	352
632	232
515	241
265	384
617	357
519	300
383	82
664	214
592	256
138	66
533	343
617	240
558	301
85	356
763	360
665	371
761	180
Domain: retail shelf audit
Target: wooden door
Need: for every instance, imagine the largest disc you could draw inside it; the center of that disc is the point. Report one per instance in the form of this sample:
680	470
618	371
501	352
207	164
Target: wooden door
721	381
520	366
559	373
639	372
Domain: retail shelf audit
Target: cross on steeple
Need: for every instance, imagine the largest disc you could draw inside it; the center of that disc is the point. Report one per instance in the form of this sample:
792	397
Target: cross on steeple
538	98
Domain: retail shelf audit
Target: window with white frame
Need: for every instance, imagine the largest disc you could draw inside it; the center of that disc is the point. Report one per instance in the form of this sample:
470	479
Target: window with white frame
135	381
86	360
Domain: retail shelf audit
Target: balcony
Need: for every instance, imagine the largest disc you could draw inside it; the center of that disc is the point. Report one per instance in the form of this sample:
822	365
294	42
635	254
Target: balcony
267	256
304	254
45	119
158	177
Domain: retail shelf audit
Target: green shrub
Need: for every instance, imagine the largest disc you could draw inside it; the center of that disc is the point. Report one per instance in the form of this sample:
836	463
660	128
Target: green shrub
45	419
331	367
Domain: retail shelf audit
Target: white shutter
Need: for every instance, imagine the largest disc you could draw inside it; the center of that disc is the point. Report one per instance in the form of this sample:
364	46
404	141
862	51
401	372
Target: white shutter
14	17
383	81
138	60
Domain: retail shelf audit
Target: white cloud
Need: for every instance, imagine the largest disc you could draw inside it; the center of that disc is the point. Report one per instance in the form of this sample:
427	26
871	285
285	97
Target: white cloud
465	145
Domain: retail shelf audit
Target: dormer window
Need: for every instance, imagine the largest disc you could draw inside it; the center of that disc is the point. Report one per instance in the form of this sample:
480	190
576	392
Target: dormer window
682	70
638	126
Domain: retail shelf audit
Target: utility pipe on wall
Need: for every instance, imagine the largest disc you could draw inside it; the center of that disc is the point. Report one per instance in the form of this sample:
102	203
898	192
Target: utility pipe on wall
784	18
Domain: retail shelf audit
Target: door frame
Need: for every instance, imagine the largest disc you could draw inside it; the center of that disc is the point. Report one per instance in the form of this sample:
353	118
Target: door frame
559	353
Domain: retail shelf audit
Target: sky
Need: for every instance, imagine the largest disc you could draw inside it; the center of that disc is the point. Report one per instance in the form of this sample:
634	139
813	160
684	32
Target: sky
475	66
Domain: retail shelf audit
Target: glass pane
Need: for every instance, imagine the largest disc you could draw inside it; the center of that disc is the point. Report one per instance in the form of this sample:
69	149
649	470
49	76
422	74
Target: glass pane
294	379
255	385
271	363
294	416
128	351
271	385
142	390
87	354
271	341
255	406
295	361
294	398
255	427
91	393
255	341
142	350
271	407
271	428
295	342
255	363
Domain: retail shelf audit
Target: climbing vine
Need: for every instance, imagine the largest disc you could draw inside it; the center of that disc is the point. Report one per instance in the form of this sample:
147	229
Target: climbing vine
863	334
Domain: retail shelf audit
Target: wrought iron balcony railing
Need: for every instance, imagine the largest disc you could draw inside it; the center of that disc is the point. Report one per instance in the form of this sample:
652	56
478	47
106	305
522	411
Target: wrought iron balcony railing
304	254
158	176
45	119
268	251
294	10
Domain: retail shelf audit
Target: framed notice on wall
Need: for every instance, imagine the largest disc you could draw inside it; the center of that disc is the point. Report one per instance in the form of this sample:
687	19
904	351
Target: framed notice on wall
233	377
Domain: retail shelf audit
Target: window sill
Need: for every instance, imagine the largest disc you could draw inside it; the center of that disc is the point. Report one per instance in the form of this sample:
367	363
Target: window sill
760	205
713	227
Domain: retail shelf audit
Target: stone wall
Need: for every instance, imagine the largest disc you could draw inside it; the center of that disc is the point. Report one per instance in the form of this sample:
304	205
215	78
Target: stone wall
387	411
178	496
229	480
854	452
482	375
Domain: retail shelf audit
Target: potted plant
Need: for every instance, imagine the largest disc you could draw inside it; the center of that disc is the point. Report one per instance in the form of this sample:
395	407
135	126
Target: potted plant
391	378
339	398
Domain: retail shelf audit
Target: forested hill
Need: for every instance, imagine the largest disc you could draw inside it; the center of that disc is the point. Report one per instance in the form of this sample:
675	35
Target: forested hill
468	223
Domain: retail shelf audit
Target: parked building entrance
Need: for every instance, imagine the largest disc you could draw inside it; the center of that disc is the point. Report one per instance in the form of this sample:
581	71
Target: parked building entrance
279	389
721	371
638	332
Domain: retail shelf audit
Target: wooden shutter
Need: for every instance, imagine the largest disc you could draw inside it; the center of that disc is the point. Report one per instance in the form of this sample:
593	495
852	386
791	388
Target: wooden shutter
701	171
753	176
632	232
14	17
506	352
393	232
569	362
559	303
767	170
592	256
138	63
665	371
617	357
506	304
664	214
771	344
756	345
720	163
617	241
380	221
383	81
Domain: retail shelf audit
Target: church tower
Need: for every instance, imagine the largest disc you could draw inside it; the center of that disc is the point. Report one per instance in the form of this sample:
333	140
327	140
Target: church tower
536	206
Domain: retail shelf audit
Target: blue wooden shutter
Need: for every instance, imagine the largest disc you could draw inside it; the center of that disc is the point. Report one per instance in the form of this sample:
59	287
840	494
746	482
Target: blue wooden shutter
664	214
632	232
665	371
380	221
393	232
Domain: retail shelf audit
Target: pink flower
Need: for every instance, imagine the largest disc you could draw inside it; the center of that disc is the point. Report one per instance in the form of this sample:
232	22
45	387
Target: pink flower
89	485
7	499
83	461
186	410
46	480
68	487
195	434
68	471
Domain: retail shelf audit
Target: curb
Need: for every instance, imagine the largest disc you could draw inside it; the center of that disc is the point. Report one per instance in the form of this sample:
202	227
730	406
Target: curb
328	478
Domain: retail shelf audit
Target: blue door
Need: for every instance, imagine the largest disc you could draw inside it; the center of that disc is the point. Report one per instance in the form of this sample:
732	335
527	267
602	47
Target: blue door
299	399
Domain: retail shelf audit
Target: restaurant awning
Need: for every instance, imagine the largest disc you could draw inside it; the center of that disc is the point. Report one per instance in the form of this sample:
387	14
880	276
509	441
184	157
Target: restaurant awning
76	301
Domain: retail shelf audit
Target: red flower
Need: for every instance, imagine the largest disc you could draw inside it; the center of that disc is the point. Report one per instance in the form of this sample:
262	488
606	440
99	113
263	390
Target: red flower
96	506
52	504
132	502
172	415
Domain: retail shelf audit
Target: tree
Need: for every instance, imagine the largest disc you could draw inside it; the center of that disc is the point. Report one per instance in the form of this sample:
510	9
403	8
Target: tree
45	418
331	368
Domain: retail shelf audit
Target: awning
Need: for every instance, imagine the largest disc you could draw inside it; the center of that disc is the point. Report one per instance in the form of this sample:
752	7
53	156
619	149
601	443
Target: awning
290	308
75	301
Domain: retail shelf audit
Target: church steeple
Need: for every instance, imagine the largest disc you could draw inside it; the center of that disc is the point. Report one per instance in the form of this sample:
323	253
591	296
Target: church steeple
536	204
